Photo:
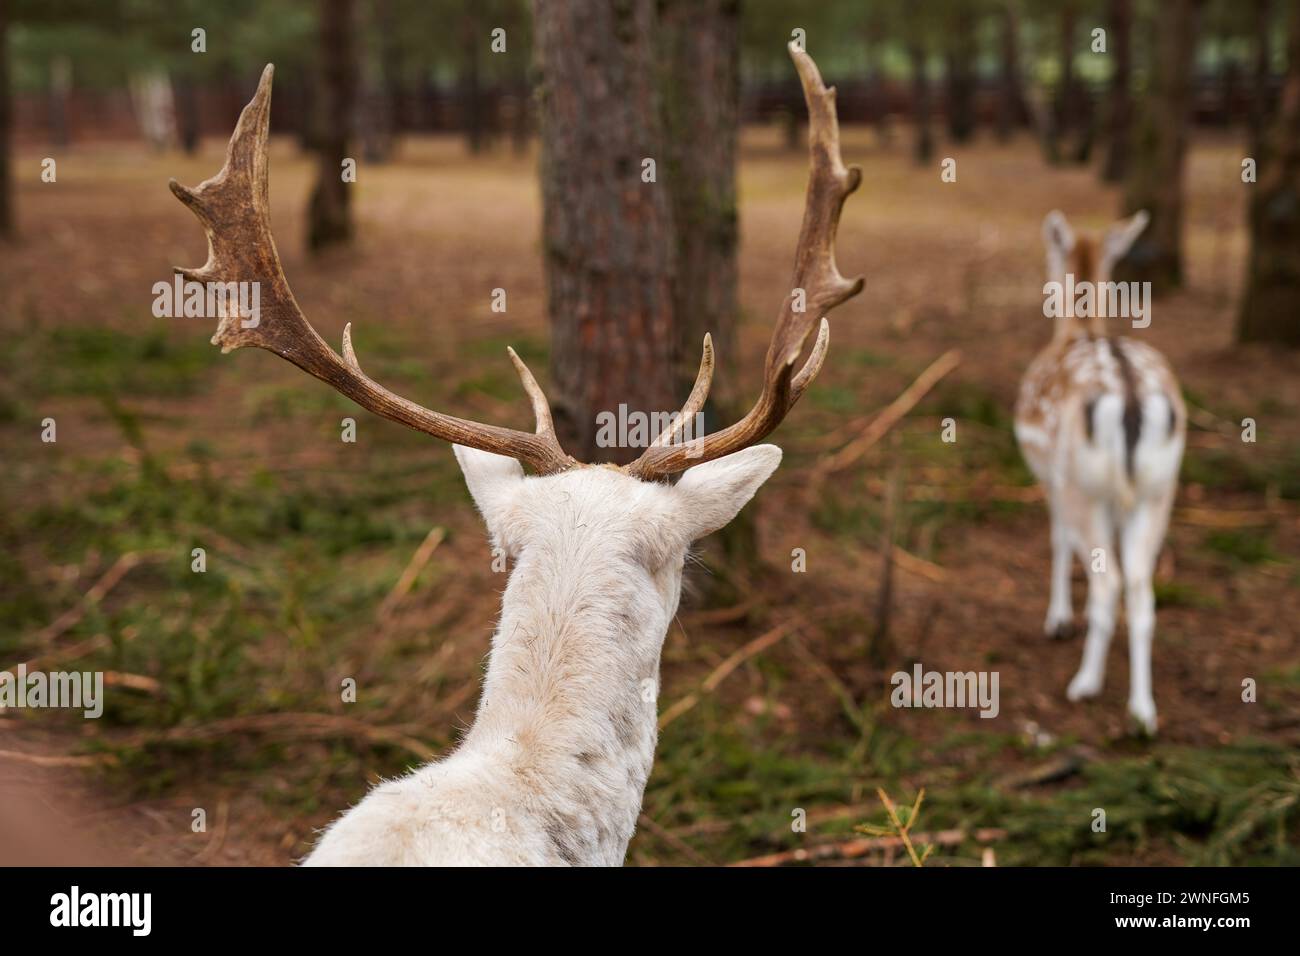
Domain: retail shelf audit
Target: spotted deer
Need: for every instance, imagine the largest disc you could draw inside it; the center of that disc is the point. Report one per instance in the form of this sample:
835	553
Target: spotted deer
1101	422
554	768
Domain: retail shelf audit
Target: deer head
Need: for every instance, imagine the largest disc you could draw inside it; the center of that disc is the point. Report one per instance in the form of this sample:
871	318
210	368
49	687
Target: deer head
1087	258
597	550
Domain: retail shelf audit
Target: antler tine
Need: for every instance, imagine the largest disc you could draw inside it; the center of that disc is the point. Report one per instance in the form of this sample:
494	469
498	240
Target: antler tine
541	407
695	401
817	280
235	211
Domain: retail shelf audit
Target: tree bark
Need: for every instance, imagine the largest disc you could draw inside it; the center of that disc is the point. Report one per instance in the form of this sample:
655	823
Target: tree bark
1062	110
960	73
1257	117
874	38
1155	175
472	106
379	66
6	132
607	233
329	210
1120	119
185	96
1268	312
700	95
1013	112
924	145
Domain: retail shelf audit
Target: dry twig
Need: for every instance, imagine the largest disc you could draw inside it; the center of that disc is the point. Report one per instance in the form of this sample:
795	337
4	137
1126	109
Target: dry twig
888	417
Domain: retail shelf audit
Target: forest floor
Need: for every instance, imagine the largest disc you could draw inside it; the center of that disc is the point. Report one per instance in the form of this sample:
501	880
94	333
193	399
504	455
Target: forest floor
225	686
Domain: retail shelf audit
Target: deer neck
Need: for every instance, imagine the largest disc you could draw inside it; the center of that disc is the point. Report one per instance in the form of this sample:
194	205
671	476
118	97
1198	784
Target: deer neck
569	700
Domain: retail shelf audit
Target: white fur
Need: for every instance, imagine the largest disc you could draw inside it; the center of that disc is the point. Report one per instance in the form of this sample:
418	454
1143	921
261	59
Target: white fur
554	768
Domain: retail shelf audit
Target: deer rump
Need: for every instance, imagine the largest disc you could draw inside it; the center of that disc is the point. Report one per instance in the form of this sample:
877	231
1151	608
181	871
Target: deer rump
1130	418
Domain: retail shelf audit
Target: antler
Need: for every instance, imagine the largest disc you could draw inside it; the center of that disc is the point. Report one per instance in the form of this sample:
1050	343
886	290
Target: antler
815	274
235	211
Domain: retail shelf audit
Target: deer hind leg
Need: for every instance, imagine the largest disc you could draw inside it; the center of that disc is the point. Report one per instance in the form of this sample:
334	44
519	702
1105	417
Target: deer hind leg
1140	540
1060	610
1103	599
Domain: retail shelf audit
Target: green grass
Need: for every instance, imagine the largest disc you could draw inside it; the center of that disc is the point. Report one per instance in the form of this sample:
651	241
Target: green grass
1242	547
166	358
1230	805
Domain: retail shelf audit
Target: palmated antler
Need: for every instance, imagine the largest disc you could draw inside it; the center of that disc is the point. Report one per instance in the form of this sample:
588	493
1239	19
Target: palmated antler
816	277
235	211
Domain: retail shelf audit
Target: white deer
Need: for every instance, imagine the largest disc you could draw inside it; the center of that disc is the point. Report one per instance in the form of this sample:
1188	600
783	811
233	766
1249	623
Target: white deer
1101	422
555	765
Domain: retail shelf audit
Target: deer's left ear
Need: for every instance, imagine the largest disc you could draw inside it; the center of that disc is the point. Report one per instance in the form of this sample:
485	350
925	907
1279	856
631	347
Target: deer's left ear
1120	237
710	495
492	480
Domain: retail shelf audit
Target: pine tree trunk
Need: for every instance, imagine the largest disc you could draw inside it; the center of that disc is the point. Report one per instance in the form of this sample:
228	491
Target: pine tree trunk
6	133
329	210
960	61
1062	112
185	96
700	91
1120	119
1257	117
1268	312
1013	112
607	233
471	85
1155	175
924	145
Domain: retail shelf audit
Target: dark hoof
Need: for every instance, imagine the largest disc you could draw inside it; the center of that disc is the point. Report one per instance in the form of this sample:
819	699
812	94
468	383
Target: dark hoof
1063	632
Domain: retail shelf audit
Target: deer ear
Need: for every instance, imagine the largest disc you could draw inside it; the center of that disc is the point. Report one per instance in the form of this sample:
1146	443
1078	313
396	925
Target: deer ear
1120	237
492	481
1057	234
710	495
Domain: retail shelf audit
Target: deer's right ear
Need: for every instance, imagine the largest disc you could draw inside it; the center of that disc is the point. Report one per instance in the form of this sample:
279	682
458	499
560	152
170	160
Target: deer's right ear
710	495
492	480
1057	234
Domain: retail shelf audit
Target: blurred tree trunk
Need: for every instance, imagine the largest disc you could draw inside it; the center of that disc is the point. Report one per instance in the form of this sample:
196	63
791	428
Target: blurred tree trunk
6	132
376	118
392	71
1155	175
960	72
329	210
185	96
1013	112
607	232
924	147
471	85
1268	312
1257	116
7	217
60	91
1120	119
1061	113
700	96
874	38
